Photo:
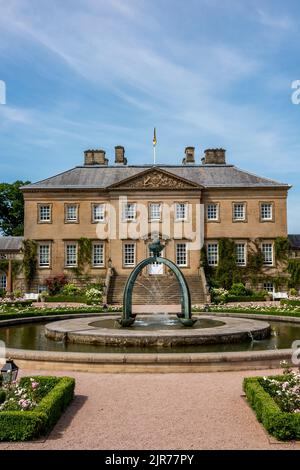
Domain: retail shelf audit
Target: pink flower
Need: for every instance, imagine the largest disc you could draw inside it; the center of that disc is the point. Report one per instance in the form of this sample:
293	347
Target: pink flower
34	385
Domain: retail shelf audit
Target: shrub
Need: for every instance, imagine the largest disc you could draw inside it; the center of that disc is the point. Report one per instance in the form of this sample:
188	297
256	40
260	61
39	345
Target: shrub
2	396
56	283
293	292
94	295
239	289
281	424
2	293
71	289
292	302
25	425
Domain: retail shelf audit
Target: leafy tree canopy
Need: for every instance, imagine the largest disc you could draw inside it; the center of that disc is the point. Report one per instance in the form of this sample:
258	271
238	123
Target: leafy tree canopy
12	208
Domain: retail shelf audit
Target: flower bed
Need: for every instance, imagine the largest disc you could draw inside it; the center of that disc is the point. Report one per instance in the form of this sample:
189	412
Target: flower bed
11	313
276	402
284	310
33	406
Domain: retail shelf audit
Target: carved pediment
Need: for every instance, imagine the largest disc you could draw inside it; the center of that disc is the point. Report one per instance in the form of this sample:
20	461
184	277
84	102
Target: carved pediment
155	179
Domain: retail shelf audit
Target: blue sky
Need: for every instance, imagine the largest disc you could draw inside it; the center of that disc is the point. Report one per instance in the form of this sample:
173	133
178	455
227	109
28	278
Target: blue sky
98	73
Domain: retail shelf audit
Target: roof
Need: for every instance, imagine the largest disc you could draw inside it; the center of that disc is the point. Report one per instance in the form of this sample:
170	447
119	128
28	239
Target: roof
294	241
101	176
11	243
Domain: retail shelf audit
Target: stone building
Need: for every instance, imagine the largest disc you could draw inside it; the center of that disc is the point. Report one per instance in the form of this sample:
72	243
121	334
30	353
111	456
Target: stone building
10	252
119	207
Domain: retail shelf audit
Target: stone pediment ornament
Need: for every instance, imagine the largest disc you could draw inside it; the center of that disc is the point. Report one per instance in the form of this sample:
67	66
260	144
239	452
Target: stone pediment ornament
155	179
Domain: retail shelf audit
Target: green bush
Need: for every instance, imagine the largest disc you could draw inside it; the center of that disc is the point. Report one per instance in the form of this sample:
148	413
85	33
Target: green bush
2	293
280	424
2	396
25	425
239	290
71	289
255	297
290	302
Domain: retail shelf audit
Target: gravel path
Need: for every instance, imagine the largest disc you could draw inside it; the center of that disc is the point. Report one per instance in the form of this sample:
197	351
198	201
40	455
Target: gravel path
158	411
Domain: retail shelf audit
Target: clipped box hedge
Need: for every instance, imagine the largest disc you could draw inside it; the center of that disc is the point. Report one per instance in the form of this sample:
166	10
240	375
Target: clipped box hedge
280	424
26	425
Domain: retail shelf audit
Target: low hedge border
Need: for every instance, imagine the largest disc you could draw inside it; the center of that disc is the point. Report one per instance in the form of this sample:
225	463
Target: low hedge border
292	302
40	312
279	313
280	424
27	425
66	298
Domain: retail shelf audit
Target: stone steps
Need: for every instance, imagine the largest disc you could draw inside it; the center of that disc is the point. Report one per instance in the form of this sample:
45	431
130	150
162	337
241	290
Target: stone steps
155	289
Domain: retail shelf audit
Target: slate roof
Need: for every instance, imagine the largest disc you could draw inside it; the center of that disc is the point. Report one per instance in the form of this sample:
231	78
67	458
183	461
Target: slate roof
11	243
100	176
294	241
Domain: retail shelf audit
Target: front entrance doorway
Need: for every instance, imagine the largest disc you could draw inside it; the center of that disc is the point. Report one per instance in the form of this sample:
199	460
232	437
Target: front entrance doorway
155	268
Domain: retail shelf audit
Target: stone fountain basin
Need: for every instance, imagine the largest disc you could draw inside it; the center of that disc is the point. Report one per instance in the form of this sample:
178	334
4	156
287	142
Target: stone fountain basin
231	330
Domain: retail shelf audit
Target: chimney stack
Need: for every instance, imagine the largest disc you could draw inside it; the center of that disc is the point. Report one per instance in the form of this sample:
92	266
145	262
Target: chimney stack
95	157
214	157
189	158
120	158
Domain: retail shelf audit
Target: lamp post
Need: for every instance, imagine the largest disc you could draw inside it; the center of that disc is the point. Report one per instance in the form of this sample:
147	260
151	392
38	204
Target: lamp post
9	372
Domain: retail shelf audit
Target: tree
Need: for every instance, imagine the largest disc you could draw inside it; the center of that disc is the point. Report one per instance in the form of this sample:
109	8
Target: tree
12	208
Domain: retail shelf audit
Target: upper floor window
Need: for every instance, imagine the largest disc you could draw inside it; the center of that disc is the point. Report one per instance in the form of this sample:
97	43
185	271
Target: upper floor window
71	212
71	255
240	253
181	211
155	211
267	251
266	211
239	211
129	211
181	254
212	211
129	254
98	255
98	212
44	212
212	254
44	255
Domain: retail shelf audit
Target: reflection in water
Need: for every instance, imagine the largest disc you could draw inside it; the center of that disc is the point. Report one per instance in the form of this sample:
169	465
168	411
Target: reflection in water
32	336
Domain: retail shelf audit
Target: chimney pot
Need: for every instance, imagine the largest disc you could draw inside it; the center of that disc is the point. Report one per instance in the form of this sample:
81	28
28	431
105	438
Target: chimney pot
189	156
95	157
214	157
120	155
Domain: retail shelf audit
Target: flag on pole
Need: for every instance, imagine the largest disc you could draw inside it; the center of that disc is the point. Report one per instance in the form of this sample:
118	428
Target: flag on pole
154	137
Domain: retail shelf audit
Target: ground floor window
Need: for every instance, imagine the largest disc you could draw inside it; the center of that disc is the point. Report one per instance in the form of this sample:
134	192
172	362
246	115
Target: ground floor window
98	255
71	255
267	251
269	286
129	254
181	254
212	254
42	289
3	281
44	256
240	253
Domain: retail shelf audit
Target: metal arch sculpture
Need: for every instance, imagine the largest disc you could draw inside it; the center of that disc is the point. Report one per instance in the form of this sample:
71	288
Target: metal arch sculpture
156	247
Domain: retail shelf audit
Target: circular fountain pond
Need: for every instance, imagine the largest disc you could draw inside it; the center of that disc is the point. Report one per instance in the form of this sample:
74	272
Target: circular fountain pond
157	331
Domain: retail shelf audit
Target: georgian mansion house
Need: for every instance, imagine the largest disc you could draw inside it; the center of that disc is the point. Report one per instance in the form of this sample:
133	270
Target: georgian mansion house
95	221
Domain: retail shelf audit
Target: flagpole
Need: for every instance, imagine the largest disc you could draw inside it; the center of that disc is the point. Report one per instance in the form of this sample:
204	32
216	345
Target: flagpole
154	155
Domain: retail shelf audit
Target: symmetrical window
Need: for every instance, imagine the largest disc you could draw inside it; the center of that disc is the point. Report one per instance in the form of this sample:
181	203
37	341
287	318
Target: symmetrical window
3	281
240	253
98	255
71	255
212	254
267	251
181	211
71	213
129	254
98	212
129	211
212	211
155	211
181	254
239	211
266	211
44	213
44	256
269	286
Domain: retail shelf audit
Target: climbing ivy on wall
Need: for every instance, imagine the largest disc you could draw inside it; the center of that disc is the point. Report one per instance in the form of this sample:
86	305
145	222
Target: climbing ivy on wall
281	246
84	255
294	271
29	260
